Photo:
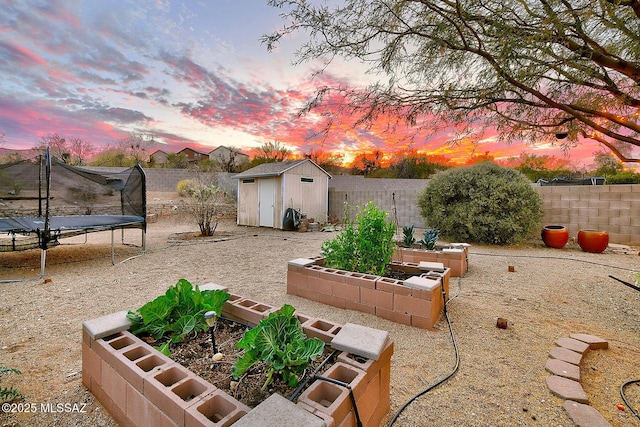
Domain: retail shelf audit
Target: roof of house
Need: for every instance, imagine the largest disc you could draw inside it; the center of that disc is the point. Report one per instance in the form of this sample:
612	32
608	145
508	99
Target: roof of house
275	169
231	149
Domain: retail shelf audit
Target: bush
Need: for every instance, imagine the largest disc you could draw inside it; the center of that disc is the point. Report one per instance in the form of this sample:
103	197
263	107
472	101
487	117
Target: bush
484	203
366	248
185	186
624	177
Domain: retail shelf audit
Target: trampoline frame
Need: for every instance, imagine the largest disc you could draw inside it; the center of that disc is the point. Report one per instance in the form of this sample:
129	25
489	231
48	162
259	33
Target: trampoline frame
49	229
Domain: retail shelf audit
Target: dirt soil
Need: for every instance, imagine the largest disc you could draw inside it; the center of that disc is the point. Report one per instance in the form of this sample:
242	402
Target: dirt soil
501	376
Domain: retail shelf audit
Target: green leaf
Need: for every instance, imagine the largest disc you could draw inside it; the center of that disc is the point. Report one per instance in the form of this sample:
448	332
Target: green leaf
164	349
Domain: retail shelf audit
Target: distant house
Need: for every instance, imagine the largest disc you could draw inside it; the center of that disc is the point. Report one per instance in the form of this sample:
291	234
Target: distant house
193	156
159	157
229	158
266	191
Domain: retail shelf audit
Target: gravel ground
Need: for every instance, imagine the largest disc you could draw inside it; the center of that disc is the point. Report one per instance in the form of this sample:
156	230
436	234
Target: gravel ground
501	376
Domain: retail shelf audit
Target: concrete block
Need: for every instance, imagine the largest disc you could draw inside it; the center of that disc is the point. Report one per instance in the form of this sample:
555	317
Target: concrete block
431	266
276	411
107	325
326	397
91	366
347	292
394	316
362	280
321	329
376	298
349	374
216	409
360	340
141	412
332	301
301	262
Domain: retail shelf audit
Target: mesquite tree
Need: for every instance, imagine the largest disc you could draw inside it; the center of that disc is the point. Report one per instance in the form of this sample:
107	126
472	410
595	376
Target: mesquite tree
554	71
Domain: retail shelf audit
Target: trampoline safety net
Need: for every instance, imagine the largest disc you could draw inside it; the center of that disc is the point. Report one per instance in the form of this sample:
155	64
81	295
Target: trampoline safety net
43	199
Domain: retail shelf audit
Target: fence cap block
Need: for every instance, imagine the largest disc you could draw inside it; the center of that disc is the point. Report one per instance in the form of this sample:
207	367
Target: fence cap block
276	411
452	250
302	262
110	324
360	340
418	282
432	266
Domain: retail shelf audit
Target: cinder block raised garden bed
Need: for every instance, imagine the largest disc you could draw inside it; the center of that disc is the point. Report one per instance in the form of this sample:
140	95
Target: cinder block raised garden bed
456	258
417	301
139	386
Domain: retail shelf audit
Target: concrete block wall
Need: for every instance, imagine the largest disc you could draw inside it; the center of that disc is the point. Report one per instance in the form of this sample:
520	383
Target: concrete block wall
611	208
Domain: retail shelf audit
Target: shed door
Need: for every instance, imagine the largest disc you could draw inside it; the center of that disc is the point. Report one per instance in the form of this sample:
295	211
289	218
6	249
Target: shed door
267	201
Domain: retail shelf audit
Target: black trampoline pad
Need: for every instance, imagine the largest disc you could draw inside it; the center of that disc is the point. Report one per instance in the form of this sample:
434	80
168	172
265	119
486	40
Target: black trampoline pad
68	223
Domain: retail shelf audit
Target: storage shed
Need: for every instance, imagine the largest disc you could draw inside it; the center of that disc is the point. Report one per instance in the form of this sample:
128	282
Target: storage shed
266	191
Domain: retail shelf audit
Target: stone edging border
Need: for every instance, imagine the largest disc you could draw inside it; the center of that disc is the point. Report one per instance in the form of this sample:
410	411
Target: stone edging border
564	364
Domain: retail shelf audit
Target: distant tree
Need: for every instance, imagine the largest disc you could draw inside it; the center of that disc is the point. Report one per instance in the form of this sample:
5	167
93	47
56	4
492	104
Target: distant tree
273	151
137	145
366	163
58	146
414	166
177	161
537	167
230	160
538	71
70	150
326	160
80	150
112	157
606	164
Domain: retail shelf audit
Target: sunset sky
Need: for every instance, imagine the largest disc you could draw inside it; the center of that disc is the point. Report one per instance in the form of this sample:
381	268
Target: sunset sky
191	73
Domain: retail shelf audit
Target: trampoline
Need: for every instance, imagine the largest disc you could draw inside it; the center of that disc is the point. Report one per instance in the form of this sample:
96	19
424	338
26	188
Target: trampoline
43	200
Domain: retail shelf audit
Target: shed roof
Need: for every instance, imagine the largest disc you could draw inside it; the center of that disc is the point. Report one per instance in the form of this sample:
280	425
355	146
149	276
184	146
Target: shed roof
275	169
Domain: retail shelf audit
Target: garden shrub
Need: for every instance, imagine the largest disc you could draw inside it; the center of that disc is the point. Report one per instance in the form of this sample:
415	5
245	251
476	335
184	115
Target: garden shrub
483	203
365	248
185	186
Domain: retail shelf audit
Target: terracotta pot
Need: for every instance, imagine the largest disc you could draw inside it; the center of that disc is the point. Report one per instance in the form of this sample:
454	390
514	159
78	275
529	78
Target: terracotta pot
555	236
593	241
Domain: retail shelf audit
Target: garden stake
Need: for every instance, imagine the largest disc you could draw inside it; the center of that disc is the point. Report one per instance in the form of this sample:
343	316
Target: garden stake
210	317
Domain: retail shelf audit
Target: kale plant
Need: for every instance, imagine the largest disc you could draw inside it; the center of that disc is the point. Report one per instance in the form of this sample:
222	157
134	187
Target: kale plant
280	343
177	313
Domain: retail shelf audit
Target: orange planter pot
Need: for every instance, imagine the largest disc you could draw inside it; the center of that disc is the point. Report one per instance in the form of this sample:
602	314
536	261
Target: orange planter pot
555	236
593	241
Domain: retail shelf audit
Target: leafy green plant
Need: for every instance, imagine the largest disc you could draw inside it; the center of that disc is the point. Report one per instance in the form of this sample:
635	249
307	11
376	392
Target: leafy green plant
483	203
366	248
280	343
431	237
407	236
177	313
8	394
